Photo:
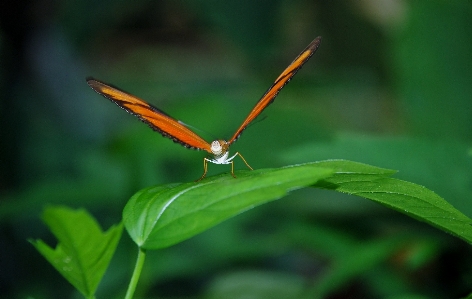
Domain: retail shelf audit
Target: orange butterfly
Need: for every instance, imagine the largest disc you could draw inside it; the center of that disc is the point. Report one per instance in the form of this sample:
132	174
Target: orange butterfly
178	132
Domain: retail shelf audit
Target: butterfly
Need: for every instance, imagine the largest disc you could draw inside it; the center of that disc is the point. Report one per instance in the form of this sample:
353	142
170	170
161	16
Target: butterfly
172	128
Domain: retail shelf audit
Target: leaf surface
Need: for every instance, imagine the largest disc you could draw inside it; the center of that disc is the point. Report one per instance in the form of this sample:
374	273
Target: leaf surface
161	216
83	251
408	198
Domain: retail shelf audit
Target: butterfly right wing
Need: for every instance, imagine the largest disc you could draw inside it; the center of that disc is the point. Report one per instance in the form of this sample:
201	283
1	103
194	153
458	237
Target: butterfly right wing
152	116
279	83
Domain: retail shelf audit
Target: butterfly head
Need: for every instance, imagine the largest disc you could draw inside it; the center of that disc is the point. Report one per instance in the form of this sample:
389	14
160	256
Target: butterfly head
219	147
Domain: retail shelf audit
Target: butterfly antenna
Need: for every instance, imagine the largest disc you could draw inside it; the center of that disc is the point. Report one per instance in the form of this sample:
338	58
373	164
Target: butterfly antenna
196	129
257	120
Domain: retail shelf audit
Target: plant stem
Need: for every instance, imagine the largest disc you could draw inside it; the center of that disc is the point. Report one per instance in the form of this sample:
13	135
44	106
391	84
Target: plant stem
137	271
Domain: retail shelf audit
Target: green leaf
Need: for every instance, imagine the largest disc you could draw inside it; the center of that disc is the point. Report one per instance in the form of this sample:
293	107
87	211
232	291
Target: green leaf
161	216
413	200
418	160
83	252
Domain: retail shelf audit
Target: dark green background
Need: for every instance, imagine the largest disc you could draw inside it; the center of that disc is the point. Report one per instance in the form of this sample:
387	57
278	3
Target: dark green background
391	85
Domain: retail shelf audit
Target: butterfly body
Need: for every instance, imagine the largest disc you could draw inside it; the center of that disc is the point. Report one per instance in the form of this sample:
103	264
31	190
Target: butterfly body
171	128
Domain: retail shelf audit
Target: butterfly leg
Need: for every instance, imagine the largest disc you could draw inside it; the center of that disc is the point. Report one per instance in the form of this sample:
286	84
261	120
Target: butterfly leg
232	163
205	169
244	160
232	169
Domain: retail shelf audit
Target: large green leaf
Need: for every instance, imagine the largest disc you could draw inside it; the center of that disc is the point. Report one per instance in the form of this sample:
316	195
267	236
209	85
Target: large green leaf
161	216
83	252
411	199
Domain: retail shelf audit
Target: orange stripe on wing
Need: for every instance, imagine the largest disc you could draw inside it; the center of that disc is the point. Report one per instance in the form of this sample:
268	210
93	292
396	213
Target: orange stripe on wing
156	119
279	83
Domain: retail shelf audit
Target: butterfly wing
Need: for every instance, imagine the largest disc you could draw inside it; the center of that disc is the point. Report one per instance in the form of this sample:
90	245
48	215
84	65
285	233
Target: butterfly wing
279	83
155	118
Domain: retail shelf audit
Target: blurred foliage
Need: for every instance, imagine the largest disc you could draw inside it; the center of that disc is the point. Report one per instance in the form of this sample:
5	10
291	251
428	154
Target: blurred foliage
392	78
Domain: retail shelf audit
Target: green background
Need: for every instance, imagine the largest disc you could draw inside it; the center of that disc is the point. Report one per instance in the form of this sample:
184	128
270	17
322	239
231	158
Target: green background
391	85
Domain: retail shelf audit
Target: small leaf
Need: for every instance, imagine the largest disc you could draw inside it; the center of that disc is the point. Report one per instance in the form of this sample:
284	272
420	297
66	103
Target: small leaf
413	200
83	252
161	216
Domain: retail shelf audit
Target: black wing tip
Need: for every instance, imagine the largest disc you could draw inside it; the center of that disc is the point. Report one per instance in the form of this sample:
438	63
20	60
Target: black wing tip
313	46
91	81
90	78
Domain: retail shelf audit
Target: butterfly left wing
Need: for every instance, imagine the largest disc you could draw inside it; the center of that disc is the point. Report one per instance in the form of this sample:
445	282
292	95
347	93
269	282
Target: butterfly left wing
157	119
279	83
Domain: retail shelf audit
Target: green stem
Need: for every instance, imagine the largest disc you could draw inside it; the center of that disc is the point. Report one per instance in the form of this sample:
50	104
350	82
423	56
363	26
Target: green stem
137	271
